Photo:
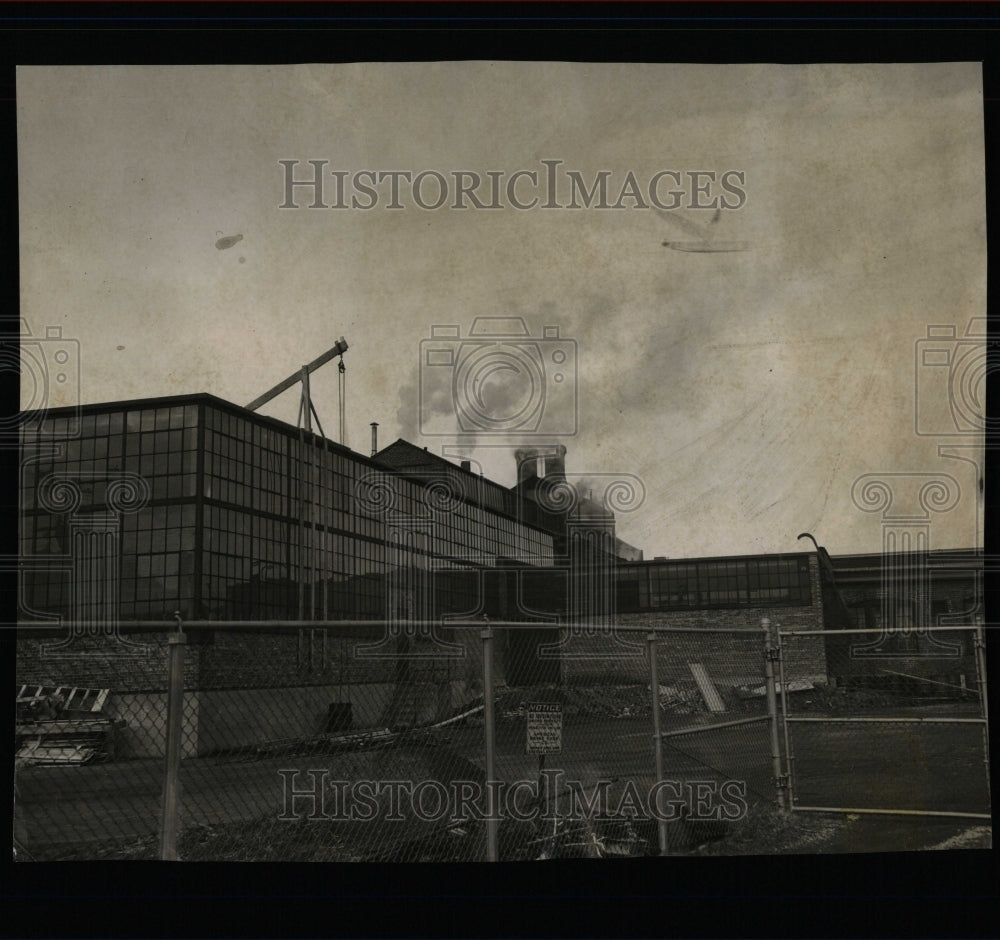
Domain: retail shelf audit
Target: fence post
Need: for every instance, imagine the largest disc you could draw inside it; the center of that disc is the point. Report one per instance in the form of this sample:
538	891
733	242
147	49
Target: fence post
770	654
175	707
654	688
789	756
979	639
489	732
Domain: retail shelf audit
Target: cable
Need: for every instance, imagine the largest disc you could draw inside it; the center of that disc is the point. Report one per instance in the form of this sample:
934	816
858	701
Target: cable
342	389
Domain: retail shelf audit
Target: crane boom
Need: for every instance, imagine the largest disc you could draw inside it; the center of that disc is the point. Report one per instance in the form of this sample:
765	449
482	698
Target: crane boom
337	349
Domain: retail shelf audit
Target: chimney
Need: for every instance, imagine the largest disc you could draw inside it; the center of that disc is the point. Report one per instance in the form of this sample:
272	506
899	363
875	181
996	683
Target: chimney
467	466
374	438
527	464
555	464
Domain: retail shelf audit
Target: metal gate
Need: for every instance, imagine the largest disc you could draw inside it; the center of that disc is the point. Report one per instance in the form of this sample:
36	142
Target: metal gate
885	722
730	742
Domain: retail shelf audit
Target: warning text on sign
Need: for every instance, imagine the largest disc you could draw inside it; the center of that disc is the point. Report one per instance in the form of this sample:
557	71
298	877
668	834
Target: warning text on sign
544	728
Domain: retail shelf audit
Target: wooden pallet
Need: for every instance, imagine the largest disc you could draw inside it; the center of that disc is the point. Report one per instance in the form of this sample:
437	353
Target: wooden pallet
64	725
74	698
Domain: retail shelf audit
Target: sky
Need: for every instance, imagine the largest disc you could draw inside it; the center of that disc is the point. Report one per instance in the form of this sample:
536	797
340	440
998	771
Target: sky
740	394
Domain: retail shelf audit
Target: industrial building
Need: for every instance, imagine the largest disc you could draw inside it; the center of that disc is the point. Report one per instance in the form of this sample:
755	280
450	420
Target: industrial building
135	510
222	514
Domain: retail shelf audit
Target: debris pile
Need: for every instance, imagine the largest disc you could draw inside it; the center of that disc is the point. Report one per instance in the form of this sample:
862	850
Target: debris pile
63	725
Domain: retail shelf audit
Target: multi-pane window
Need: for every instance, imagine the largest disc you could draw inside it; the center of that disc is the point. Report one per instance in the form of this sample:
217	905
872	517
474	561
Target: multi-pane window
148	554
725	583
288	533
282	532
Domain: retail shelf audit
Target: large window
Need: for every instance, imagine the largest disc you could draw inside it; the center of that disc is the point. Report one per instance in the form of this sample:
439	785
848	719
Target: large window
148	553
289	531
724	583
282	530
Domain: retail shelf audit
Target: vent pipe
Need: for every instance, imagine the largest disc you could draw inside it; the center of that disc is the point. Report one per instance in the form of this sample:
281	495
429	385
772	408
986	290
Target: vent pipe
374	438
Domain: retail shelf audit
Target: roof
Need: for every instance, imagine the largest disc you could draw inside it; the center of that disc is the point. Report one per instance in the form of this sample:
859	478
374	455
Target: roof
165	401
950	562
409	460
714	558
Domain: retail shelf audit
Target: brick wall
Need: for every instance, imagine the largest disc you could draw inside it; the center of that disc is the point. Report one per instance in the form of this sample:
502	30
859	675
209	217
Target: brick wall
730	649
100	663
731	657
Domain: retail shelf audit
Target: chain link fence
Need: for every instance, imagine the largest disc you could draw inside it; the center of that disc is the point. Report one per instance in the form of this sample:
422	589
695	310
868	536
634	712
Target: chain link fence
90	738
368	741
898	723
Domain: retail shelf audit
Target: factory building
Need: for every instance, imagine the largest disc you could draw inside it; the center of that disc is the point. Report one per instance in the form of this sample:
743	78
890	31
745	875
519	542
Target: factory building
136	510
132	511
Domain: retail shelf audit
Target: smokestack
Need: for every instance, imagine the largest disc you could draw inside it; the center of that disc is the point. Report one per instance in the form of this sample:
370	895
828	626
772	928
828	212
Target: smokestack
555	464
527	464
374	438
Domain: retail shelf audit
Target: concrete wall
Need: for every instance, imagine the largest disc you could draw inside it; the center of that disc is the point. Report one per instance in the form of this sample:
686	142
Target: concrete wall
253	659
235	718
144	733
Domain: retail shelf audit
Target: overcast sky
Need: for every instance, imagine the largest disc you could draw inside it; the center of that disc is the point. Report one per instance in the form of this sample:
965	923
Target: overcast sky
747	390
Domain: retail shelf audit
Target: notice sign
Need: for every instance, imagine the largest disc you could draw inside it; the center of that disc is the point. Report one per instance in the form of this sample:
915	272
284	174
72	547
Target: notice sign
544	727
